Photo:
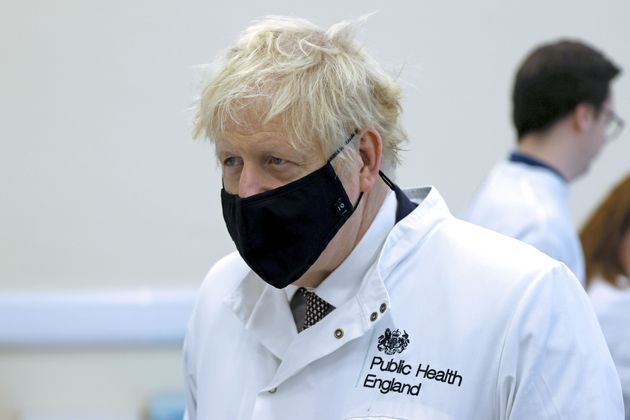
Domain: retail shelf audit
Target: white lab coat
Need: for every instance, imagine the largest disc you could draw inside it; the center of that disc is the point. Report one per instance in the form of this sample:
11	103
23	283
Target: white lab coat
612	306
529	203
451	322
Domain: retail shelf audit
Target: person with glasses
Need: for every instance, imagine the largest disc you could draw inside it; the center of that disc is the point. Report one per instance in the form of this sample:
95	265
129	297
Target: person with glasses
349	298
614	125
563	111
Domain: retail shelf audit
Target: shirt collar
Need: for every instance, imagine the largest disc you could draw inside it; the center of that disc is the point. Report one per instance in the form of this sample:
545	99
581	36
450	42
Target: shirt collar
343	283
519	157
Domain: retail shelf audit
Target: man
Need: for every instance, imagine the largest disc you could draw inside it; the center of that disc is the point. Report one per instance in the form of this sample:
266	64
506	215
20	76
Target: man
347	299
563	114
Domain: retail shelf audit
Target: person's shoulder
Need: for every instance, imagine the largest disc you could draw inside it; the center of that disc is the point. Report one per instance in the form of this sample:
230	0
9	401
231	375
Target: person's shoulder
223	277
221	281
465	234
518	204
519	180
506	189
208	311
480	251
488	254
494	269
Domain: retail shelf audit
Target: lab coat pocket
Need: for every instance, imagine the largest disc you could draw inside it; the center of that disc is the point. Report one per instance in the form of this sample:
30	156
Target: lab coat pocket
395	410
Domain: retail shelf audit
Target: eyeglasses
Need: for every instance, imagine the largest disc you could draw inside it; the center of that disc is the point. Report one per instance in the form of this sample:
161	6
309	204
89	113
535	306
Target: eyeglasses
614	125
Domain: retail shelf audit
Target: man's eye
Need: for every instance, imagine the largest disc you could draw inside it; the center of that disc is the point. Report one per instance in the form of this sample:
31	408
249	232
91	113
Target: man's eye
277	161
230	161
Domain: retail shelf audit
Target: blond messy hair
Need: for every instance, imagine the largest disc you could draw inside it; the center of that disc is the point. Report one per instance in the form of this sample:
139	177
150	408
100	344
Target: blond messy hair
319	84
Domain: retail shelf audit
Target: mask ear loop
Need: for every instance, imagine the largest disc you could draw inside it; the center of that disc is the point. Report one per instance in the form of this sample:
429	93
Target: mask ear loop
345	143
388	181
358	200
339	150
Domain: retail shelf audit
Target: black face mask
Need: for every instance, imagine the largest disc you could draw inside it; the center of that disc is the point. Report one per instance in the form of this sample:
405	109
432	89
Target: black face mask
280	233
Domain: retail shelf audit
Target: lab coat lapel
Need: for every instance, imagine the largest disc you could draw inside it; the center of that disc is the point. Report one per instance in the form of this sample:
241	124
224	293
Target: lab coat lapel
351	321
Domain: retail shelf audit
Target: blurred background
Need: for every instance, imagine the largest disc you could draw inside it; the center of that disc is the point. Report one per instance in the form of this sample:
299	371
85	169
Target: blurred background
110	213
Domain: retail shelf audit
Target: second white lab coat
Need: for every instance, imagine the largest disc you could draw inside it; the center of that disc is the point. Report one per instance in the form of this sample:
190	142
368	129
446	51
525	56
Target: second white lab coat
529	203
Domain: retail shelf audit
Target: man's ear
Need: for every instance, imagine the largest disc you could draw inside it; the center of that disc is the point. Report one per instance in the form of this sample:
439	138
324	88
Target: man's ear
582	117
370	150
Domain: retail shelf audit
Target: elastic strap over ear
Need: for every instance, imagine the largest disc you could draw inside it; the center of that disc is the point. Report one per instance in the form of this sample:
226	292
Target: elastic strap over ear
345	143
388	181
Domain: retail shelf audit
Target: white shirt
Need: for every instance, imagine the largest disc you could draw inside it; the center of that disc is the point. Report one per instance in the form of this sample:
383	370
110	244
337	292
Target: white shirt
529	203
612	306
451	321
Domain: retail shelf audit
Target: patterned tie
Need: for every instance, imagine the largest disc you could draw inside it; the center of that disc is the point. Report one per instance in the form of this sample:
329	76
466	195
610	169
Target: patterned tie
316	307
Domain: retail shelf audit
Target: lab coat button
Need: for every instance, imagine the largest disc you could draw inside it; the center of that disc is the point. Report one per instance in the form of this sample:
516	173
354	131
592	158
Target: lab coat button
383	307
373	316
338	333
273	390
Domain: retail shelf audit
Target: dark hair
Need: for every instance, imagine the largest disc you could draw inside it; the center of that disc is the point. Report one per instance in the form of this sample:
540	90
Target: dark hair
554	79
602	233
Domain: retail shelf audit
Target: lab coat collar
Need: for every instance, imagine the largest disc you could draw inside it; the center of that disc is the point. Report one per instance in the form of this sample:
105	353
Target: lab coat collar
410	233
343	283
524	158
551	183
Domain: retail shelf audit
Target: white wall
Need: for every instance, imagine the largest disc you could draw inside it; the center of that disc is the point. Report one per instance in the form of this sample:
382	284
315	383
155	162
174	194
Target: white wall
102	187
